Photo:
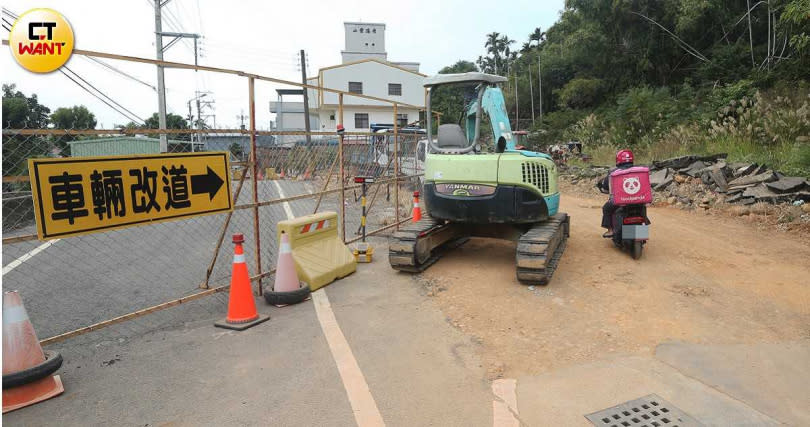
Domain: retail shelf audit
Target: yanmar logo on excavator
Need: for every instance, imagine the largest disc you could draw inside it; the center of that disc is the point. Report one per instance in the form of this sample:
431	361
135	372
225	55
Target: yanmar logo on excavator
466	190
41	40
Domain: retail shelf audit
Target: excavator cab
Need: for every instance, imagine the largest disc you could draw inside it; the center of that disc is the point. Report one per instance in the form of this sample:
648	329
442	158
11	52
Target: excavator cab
499	192
495	184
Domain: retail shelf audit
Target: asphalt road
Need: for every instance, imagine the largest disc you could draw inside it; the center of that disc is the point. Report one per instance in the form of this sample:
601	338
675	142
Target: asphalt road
78	281
419	370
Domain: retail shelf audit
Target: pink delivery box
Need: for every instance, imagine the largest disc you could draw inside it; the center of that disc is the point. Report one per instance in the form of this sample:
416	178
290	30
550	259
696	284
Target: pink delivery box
631	186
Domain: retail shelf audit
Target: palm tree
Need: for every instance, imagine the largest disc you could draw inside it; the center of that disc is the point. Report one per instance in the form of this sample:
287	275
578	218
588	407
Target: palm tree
537	36
498	53
486	64
492	45
506	53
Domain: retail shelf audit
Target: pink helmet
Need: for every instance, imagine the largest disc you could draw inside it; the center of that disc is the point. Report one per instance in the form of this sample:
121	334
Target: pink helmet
624	156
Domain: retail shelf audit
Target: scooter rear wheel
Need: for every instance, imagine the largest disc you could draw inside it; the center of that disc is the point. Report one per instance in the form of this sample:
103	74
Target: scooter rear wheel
635	250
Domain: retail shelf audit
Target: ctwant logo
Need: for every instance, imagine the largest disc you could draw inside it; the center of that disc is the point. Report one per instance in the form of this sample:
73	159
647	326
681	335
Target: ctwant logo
41	40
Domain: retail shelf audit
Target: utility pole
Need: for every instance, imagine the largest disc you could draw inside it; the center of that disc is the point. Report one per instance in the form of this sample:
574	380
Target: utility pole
531	93
200	121
306	97
191	123
540	87
164	143
242	118
517	103
159	34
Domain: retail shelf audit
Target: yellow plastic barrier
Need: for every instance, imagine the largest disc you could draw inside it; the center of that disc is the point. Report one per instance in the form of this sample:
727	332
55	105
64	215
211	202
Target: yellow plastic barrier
270	173
320	256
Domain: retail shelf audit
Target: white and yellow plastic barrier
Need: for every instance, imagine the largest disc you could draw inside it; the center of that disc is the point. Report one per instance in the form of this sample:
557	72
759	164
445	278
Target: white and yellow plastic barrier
320	256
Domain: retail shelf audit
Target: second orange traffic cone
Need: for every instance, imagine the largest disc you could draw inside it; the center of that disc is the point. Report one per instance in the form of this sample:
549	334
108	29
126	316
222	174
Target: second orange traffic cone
27	369
242	312
417	211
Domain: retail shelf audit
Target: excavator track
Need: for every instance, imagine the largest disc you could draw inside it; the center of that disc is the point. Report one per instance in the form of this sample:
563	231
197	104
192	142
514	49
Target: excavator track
539	249
416	247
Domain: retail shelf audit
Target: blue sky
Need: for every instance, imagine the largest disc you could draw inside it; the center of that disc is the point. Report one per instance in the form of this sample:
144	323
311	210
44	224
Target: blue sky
261	37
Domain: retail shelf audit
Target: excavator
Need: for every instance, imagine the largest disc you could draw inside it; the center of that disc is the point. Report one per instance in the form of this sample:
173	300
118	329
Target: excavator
497	191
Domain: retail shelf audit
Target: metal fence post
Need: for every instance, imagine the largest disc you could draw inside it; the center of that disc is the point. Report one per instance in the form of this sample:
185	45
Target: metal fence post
342	173
396	167
254	171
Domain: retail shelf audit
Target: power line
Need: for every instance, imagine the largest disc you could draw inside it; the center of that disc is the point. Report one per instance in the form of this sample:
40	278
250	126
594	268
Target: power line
172	24
118	71
214	44
199	17
173	21
104	94
129	114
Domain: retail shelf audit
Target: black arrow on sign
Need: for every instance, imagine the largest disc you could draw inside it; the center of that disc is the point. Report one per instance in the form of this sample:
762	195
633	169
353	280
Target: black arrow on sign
208	183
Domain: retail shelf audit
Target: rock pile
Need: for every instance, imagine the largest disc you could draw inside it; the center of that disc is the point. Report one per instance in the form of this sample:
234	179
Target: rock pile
739	183
702	181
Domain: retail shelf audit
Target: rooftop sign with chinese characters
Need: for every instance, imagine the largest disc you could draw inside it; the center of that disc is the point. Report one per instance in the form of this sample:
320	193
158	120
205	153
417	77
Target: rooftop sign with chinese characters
82	195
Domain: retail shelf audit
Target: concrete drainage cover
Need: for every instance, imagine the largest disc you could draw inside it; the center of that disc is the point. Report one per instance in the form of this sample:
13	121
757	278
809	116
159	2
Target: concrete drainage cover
647	411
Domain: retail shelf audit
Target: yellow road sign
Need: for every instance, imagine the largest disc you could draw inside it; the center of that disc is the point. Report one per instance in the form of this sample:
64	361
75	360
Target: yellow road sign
81	195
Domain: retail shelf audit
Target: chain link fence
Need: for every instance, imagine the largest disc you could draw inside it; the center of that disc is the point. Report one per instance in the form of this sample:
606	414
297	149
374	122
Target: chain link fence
77	284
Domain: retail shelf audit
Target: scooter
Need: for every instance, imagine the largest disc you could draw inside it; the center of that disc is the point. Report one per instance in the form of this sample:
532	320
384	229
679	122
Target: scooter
631	192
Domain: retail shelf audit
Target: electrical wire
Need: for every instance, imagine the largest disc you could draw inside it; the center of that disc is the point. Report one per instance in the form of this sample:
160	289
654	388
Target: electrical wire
222	45
104	94
100	96
118	71
129	115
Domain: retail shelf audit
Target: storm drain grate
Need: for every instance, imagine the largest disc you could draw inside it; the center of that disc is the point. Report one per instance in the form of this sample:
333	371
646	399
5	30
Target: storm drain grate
647	411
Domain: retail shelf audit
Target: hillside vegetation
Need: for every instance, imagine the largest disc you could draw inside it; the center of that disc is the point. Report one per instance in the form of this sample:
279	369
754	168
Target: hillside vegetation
664	78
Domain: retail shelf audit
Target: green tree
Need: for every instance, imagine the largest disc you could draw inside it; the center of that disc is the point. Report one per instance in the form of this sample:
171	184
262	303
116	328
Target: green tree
173	121
130	125
461	66
21	112
77	117
581	93
450	101
498	54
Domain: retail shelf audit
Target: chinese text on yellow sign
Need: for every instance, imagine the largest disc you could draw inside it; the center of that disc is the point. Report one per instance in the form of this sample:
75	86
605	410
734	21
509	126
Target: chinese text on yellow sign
81	195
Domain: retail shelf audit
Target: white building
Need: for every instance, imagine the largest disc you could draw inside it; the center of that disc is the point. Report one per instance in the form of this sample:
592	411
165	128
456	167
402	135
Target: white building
365	70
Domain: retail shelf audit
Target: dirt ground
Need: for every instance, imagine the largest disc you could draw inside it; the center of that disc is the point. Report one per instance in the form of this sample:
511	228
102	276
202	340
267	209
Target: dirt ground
702	279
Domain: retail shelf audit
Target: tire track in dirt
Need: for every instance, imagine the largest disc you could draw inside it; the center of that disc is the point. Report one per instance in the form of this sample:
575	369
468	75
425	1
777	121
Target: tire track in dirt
701	279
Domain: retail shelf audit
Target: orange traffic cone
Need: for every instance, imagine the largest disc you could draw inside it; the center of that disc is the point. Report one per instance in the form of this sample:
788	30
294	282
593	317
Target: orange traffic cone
242	312
27	369
417	211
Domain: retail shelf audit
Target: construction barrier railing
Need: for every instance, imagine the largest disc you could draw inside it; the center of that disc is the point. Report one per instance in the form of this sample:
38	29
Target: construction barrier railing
110	277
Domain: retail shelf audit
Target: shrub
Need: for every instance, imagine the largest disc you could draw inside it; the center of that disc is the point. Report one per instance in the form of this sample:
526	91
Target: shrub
642	111
581	93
